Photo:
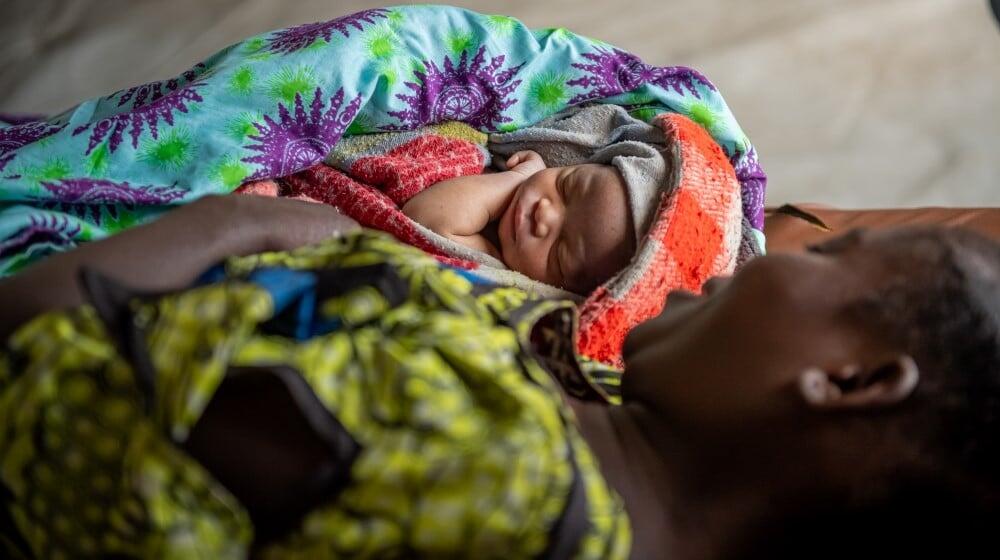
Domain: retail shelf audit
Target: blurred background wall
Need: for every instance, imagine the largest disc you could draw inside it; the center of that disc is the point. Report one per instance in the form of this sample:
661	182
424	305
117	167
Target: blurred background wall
857	103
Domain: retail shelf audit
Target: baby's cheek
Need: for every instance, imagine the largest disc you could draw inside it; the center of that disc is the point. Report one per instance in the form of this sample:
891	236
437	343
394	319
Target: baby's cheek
530	263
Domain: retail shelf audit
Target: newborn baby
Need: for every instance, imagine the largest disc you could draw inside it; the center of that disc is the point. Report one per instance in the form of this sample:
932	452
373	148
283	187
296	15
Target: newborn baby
569	227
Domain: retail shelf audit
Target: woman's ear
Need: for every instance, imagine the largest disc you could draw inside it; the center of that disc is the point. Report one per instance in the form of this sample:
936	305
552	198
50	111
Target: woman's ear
855	387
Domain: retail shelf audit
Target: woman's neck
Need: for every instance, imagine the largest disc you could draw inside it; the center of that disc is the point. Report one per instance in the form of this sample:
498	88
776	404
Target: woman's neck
684	502
633	469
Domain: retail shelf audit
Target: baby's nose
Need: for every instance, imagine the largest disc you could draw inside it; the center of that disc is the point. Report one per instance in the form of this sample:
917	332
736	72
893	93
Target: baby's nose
546	217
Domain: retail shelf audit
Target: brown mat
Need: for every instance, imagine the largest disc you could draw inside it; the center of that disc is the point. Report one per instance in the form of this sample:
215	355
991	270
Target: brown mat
787	231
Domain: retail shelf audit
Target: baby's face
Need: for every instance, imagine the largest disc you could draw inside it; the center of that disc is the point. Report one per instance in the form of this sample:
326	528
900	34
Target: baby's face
569	227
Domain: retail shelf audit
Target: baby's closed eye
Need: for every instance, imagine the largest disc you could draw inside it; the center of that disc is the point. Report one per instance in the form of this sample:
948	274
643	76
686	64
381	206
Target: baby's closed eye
555	262
565	263
561	258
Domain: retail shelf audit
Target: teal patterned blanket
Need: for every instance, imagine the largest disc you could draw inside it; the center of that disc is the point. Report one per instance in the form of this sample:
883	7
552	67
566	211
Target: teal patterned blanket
277	103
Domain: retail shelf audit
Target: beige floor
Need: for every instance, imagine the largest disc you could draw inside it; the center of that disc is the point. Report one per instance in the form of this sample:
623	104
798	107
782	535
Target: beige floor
854	102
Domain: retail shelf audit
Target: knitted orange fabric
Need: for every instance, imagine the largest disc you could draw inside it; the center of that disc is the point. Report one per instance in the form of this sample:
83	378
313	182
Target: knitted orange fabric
695	236
408	169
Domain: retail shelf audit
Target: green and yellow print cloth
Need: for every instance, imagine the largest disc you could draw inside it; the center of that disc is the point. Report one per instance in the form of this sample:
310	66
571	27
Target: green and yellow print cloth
465	446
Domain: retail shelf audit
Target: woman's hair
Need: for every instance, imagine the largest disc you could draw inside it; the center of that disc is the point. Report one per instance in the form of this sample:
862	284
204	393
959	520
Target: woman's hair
944	310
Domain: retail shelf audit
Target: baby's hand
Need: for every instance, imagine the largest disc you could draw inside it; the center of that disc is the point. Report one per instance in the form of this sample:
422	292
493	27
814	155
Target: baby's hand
526	163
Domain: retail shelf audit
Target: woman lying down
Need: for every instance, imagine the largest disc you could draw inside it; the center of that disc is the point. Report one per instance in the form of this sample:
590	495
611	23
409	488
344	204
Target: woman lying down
356	398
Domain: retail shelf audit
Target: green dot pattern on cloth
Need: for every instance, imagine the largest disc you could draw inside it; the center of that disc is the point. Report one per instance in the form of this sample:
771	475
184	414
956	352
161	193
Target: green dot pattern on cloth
278	102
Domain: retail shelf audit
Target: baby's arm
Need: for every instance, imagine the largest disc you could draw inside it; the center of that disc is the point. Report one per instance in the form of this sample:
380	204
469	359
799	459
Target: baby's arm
460	208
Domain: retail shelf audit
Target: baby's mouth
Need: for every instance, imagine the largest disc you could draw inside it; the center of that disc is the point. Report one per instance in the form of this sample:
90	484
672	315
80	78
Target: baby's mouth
518	219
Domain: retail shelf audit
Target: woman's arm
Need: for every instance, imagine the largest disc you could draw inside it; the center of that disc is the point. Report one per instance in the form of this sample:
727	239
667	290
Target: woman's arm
170	252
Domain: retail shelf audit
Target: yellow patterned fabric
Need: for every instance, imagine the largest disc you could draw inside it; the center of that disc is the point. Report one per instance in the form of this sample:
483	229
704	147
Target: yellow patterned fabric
466	447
